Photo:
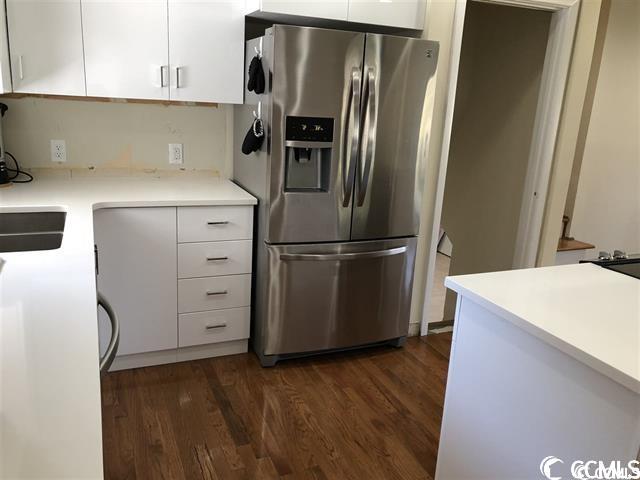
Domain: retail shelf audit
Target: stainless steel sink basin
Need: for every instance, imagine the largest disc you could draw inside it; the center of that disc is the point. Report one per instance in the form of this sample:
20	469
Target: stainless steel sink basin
27	231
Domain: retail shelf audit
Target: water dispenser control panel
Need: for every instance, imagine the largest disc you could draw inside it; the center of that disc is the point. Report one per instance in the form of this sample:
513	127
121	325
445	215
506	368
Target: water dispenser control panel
308	152
309	129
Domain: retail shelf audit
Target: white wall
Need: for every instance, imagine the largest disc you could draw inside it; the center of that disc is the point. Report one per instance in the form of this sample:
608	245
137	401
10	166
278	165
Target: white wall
121	138
607	206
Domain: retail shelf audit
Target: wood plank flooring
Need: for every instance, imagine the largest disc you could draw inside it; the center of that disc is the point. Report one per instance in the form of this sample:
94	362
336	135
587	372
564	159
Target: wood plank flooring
372	414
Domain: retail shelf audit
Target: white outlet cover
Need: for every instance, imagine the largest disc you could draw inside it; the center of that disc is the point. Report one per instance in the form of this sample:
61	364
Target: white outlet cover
58	151
175	154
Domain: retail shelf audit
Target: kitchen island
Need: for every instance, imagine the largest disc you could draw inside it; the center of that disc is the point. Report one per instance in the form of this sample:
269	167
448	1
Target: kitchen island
545	364
50	416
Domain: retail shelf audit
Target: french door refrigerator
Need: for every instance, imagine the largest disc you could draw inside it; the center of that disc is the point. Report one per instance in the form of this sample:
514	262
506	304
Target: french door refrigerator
339	179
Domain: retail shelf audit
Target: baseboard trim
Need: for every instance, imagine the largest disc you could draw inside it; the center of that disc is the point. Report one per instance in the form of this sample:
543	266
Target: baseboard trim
149	359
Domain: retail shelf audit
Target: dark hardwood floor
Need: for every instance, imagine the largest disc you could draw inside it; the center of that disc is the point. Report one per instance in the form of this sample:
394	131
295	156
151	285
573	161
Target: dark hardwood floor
372	414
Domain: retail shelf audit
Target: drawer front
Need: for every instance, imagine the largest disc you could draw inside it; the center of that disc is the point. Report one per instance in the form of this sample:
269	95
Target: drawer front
213	326
211	293
208	224
210	259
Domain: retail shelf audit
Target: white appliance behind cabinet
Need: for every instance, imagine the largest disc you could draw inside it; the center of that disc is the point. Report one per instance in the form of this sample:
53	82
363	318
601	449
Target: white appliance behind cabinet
45	41
179	280
125	45
206	50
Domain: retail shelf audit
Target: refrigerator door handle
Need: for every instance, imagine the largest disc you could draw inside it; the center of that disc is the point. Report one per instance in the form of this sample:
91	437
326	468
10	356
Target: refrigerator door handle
369	135
343	256
352	127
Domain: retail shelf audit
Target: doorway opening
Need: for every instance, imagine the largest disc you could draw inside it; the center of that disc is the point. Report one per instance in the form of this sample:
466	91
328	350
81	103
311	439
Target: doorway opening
502	62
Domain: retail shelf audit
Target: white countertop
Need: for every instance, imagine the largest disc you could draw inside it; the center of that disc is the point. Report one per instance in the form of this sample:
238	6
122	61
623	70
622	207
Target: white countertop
50	420
589	312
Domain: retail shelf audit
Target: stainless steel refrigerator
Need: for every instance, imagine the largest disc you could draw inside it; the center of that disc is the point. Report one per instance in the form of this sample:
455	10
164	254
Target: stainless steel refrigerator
339	180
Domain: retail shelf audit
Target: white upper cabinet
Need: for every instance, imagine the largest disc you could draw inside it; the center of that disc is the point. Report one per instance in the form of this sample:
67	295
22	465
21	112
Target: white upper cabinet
206	50
405	14
45	42
331	9
393	13
126	53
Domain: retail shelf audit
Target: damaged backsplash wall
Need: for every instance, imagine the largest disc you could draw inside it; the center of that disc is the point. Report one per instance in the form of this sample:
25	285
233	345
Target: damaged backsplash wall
118	138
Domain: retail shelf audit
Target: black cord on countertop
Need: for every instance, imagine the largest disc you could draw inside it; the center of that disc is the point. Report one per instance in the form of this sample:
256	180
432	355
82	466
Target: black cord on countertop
17	172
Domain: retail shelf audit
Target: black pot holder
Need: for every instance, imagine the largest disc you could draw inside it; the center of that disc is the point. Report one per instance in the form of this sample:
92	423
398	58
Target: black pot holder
254	137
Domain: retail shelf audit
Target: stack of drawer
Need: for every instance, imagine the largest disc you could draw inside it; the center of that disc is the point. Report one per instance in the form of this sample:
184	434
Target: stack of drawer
214	274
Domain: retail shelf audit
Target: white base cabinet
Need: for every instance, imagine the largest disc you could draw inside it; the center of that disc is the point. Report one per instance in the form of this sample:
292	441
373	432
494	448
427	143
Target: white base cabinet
172	307
513	399
137	273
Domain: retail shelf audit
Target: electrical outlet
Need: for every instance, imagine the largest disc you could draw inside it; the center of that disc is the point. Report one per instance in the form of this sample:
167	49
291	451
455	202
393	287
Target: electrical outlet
175	154
58	151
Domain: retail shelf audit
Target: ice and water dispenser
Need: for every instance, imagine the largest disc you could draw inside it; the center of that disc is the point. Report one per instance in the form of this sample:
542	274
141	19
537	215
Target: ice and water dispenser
308	150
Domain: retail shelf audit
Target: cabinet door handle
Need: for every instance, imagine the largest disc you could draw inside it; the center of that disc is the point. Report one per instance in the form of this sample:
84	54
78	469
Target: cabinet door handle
163	75
216	259
20	68
223	222
221	292
219	325
178	70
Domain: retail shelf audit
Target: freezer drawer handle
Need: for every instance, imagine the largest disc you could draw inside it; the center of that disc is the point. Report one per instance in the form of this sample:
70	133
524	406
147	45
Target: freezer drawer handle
221	292
216	259
213	327
342	256
223	222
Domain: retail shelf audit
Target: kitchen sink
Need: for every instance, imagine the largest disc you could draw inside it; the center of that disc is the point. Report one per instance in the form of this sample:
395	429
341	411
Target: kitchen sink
28	231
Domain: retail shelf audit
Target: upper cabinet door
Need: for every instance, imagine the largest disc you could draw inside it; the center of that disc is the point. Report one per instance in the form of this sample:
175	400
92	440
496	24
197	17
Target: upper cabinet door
333	9
45	38
206	50
393	13
126	48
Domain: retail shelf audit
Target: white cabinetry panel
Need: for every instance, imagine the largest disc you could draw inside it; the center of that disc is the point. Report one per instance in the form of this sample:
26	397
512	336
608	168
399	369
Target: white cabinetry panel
45	40
393	13
214	326
206	50
332	9
214	258
207	224
137	275
126	48
211	293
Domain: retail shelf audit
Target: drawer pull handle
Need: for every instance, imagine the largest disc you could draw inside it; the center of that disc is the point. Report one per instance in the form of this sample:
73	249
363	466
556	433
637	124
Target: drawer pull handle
223	222
216	259
213	327
221	292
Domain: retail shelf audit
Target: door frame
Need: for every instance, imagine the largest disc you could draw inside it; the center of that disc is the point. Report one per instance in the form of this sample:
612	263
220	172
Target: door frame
552	88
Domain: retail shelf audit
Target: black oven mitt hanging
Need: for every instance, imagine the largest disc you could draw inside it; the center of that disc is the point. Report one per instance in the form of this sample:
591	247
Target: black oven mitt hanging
254	137
256	76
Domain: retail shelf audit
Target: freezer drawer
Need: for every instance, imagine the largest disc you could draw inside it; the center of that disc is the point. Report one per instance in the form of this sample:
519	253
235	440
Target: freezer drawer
337	295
